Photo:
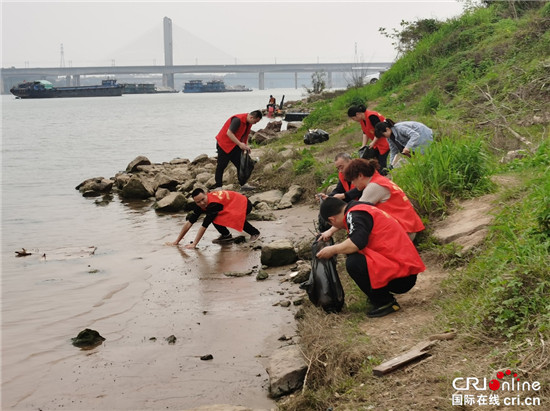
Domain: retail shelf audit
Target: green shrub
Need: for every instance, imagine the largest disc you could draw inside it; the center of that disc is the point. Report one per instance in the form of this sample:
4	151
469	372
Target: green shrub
430	102
305	164
450	169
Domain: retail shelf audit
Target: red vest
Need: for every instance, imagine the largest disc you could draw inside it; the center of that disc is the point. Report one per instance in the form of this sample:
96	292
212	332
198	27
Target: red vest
234	204
390	253
242	133
347	186
398	205
367	127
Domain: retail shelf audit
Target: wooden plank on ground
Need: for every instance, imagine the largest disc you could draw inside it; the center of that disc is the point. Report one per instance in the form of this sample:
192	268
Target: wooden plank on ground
420	350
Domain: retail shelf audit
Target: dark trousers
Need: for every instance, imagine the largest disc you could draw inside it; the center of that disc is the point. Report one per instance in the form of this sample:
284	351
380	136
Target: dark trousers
248	228
223	160
356	264
381	158
383	161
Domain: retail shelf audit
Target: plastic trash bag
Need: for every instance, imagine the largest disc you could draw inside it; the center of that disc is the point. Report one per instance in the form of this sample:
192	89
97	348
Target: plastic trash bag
366	152
314	136
323	287
246	167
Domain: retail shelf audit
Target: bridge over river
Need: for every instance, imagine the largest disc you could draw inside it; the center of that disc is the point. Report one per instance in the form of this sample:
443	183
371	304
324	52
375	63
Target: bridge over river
13	75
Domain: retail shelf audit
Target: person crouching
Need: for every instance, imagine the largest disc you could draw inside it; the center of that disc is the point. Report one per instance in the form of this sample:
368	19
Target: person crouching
381	258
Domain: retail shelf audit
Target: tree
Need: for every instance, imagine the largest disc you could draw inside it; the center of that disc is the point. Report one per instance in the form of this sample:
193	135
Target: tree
318	82
410	34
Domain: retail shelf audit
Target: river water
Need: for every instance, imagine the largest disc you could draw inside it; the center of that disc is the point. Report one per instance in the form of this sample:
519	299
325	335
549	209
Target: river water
134	287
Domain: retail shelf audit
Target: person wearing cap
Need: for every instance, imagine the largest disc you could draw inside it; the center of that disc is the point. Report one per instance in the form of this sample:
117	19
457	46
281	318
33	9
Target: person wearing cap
380	257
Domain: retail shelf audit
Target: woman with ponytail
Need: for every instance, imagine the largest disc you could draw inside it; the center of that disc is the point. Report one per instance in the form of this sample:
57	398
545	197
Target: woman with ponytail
368	120
405	137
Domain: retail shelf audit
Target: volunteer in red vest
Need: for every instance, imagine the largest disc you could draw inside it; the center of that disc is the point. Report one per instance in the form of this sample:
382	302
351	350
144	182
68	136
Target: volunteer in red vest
381	258
383	193
232	139
368	120
344	190
223	209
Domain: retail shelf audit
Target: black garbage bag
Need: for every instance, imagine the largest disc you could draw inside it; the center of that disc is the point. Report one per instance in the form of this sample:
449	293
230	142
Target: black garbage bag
315	136
323	287
366	152
245	169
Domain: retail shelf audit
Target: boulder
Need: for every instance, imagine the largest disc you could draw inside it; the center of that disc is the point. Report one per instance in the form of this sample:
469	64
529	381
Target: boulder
202	178
163	180
179	161
161	193
201	158
303	269
137	188
274	126
294	125
186	186
272	197
263	137
288	153
303	248
121	179
268	168
287	370
172	202
291	196
277	253
132	167
287	165
95	186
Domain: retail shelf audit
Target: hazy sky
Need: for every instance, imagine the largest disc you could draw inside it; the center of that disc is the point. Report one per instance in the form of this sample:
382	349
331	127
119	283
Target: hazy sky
223	32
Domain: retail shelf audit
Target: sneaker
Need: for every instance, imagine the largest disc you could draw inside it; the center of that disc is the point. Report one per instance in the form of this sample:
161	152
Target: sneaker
384	309
223	239
247	187
254	237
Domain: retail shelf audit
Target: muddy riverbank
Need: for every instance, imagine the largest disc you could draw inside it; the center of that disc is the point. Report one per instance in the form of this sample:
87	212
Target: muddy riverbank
136	298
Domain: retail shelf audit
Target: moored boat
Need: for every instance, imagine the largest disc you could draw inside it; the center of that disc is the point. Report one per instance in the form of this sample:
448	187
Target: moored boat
145	88
45	89
214	86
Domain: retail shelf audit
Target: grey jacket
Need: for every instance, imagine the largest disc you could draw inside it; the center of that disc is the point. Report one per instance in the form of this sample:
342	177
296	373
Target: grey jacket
410	134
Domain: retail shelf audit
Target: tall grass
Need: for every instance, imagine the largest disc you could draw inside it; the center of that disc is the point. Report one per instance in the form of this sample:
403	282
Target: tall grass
448	170
504	292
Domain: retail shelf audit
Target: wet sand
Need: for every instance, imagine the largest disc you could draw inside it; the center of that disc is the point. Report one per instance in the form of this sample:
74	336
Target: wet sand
135	299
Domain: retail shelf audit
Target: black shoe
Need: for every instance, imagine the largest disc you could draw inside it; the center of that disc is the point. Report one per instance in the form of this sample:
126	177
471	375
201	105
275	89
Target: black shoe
223	239
383	310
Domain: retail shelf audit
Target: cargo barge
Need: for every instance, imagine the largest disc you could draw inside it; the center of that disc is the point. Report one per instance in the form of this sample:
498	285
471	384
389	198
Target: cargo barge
45	89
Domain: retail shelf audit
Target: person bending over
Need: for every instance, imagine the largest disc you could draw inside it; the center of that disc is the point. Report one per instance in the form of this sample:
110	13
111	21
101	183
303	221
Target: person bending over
404	137
381	258
232	140
344	190
223	209
368	120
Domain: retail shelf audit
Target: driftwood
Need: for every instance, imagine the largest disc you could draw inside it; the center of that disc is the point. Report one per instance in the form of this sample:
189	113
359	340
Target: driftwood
419	351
